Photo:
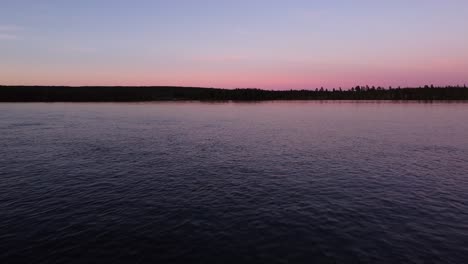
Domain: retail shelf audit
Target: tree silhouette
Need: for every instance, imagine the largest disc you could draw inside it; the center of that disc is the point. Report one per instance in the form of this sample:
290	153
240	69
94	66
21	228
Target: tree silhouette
134	94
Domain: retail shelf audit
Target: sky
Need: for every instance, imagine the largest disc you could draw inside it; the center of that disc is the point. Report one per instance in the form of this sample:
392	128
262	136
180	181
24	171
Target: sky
269	44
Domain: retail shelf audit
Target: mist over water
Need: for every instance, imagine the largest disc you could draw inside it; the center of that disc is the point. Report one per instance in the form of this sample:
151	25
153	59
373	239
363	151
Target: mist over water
270	182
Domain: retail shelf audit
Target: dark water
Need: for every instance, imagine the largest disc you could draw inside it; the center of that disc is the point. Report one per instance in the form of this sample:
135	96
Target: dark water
283	182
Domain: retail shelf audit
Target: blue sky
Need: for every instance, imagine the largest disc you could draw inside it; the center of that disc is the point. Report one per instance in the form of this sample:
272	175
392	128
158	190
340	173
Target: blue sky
257	43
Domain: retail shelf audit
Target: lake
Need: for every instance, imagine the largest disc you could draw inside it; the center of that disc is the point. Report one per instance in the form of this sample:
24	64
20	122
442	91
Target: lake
269	182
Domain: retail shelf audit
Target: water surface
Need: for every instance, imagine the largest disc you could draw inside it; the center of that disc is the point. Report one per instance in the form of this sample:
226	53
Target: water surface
271	182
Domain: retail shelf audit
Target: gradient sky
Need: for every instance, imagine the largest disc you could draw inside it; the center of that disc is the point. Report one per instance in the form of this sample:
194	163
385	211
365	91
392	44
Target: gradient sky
244	43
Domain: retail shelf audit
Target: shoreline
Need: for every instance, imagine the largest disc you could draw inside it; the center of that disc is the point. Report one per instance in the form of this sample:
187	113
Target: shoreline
174	93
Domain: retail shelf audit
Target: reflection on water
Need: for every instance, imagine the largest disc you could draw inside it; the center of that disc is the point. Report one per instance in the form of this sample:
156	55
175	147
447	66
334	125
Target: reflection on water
331	182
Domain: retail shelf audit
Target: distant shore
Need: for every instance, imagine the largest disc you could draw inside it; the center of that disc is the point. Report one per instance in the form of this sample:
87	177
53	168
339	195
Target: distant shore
171	93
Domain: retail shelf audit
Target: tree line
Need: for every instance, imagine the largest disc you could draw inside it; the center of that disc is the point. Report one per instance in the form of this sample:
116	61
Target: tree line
165	93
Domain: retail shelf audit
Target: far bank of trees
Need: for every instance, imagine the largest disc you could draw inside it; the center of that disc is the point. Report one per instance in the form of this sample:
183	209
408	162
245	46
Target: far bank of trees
163	93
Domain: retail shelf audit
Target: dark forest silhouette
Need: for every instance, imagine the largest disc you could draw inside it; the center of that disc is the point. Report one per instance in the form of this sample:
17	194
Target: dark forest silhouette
165	93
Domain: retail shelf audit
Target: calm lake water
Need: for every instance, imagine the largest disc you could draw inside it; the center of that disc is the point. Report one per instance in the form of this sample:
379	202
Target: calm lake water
272	182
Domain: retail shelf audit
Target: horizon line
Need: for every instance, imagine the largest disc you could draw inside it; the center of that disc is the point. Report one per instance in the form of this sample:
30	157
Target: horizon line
246	88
